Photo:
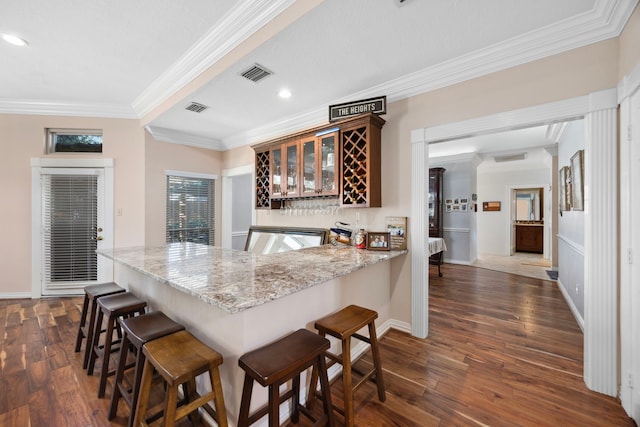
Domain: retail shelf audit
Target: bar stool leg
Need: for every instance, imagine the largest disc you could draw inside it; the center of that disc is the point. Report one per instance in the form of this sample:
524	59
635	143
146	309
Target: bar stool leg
346	381
90	334
375	352
83	322
274	405
247	390
326	388
218	399
105	359
145	390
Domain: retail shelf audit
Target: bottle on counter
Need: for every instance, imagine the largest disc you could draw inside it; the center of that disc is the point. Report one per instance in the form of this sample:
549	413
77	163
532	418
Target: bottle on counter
360	240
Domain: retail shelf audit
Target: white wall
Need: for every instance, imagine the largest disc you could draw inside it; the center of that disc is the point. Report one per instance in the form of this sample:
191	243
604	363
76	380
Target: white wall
571	227
494	226
459	231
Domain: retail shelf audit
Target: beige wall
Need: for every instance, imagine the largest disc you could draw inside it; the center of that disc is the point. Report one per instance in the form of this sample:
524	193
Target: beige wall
629	39
563	76
162	156
140	161
23	137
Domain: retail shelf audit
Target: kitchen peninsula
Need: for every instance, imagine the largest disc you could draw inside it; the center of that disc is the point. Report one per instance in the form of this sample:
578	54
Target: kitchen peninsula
236	301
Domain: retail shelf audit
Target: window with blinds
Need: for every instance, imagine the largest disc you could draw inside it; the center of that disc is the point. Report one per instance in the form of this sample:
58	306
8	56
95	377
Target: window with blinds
190	209
70	205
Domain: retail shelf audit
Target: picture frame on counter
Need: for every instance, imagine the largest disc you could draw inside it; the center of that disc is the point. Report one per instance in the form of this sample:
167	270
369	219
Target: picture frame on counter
378	241
397	228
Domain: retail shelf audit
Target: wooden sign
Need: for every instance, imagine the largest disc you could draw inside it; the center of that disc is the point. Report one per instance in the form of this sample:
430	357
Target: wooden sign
349	109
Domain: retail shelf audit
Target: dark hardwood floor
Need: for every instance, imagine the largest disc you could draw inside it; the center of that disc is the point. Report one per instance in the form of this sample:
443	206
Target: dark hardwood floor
503	350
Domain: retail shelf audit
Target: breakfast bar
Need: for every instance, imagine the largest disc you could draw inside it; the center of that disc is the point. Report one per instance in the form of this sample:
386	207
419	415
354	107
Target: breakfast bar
236	301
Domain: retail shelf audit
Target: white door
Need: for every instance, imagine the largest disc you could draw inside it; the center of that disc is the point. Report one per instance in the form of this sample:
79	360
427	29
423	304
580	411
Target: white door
73	214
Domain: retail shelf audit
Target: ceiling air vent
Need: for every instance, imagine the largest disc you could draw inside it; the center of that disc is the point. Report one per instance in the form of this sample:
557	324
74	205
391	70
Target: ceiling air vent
510	157
196	108
256	73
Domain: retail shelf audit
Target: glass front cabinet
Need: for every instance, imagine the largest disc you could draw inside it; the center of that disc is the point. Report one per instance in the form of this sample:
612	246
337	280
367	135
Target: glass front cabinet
284	170
320	165
340	160
435	202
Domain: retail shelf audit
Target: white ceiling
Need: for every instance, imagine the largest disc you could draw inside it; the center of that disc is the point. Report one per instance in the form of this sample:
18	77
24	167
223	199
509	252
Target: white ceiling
148	59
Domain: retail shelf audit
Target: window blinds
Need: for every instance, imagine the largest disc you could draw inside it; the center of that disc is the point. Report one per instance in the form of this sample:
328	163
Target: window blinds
190	209
70	205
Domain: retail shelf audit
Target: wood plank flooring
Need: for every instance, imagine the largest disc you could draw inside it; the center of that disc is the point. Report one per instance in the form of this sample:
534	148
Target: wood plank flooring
503	350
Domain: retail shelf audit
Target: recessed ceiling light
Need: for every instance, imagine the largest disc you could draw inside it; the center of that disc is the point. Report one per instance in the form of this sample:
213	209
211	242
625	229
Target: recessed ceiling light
284	93
14	40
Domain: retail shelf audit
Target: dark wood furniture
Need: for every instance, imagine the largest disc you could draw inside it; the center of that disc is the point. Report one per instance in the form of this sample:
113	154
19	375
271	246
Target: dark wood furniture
136	332
275	364
436	210
88	315
340	159
110	309
344	325
179	358
529	238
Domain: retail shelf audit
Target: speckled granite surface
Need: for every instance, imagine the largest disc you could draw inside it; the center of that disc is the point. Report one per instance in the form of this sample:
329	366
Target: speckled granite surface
235	280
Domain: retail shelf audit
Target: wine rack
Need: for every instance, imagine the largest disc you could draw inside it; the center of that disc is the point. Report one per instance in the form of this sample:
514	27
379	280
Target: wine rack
360	182
262	180
359	148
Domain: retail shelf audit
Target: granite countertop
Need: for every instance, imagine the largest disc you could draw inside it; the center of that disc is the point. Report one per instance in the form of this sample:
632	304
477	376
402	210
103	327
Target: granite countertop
236	280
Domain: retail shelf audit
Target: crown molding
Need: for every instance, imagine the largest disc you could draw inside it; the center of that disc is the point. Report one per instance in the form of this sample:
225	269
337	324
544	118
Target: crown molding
606	20
58	108
183	138
236	26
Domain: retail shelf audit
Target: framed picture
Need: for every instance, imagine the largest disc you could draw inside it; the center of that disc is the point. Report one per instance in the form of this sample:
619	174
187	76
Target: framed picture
377	241
564	184
577	185
397	228
490	206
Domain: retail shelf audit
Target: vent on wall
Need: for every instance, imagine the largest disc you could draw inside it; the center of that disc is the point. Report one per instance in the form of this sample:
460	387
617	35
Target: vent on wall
510	157
255	73
196	108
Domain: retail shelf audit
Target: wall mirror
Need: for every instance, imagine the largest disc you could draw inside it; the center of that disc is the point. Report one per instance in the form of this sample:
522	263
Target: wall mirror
270	240
529	204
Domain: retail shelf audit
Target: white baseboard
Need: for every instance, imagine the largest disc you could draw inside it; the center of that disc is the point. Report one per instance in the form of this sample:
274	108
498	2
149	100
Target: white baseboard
572	307
16	295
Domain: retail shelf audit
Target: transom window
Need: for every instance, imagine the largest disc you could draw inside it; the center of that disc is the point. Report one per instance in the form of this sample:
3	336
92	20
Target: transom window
190	208
74	141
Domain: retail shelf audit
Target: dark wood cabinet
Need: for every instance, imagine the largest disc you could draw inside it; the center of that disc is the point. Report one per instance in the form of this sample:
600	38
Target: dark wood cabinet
529	238
341	159
436	176
436	209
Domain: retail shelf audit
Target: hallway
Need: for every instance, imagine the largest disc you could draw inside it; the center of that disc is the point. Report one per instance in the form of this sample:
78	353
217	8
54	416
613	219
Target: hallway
522	263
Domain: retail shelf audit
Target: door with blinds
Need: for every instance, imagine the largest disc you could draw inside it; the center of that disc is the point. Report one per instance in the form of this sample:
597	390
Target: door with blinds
73	217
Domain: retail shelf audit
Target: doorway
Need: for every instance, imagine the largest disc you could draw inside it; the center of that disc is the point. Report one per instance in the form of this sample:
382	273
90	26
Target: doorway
237	206
72	217
527	220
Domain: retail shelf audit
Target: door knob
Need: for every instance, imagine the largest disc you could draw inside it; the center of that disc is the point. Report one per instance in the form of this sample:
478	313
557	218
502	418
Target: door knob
99	238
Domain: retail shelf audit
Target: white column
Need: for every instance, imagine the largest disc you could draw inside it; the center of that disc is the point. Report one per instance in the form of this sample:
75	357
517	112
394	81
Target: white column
601	244
420	232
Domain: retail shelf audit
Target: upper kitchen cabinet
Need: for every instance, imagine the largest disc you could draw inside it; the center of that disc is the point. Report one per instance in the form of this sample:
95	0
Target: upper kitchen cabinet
341	160
360	141
319	164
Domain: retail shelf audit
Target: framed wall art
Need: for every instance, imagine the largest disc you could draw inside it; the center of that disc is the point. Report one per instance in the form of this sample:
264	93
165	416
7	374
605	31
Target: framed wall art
577	184
564	184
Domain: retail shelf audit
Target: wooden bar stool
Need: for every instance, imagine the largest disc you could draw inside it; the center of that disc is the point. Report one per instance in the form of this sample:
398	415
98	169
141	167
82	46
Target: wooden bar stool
344	325
277	363
136	332
112	308
85	330
179	358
